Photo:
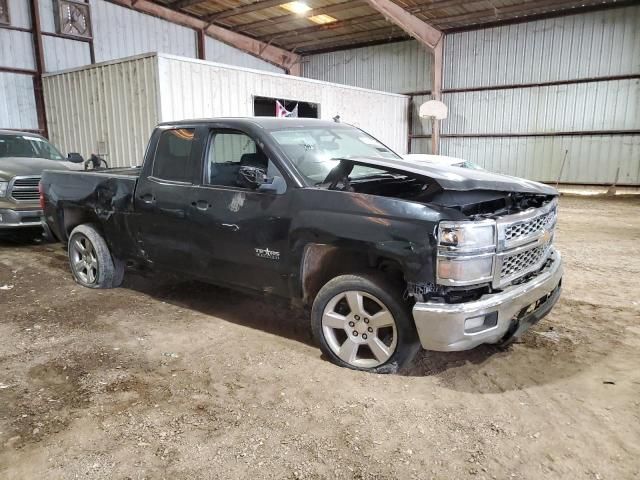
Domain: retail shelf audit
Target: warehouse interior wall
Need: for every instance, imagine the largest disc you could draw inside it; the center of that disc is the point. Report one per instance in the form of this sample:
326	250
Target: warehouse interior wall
551	100
117	32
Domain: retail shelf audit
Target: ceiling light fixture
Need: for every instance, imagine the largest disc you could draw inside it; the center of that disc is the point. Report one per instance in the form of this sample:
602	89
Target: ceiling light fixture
322	19
296	7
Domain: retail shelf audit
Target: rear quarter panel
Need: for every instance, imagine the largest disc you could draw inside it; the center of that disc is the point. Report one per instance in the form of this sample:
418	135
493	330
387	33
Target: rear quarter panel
105	198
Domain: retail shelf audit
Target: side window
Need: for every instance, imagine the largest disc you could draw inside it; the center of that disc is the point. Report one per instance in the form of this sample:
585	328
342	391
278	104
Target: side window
172	160
228	151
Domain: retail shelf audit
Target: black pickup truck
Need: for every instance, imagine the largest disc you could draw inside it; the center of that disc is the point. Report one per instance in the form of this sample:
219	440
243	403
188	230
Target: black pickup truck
388	254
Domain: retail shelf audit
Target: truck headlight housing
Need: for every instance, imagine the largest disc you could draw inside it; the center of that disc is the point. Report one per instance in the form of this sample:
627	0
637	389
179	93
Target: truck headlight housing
3	189
466	251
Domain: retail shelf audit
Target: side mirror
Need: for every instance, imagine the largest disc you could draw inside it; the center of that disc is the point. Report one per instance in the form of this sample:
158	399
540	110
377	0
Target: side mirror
256	179
275	185
251	177
75	158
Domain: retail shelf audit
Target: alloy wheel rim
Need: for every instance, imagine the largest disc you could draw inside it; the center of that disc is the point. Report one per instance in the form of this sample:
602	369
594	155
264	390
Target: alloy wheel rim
84	260
359	329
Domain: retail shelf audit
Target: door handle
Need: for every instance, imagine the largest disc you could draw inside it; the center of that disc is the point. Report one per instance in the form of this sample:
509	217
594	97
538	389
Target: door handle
148	198
231	226
201	205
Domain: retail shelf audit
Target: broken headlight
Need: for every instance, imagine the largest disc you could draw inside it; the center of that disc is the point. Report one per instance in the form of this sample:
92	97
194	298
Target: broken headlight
465	252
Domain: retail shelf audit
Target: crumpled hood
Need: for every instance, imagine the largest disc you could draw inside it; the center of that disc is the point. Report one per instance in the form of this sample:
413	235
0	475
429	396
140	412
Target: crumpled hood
457	178
21	166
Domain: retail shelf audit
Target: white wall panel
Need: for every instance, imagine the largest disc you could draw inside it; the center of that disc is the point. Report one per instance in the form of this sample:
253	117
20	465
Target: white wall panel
399	67
220	52
62	54
419	126
217	90
47	16
19	13
17	102
16	49
121	32
590	159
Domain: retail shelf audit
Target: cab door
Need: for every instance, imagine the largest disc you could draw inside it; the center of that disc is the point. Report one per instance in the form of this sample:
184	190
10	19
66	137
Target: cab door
241	232
163	197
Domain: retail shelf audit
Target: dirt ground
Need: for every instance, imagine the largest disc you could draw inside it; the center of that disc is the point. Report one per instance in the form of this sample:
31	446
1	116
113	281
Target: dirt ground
165	380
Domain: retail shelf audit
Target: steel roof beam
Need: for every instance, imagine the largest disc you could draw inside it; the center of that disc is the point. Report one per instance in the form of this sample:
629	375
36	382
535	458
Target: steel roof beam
418	29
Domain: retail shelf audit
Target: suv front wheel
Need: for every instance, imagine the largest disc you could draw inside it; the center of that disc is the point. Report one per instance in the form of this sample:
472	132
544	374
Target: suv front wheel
361	322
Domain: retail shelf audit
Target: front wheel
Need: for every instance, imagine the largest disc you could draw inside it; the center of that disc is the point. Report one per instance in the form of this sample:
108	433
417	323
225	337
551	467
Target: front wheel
91	263
361	322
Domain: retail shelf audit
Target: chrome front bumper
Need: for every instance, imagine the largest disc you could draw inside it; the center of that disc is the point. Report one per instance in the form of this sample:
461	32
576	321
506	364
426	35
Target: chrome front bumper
441	326
19	218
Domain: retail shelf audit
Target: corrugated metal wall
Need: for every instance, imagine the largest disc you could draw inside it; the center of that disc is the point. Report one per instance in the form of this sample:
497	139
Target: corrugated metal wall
122	32
118	32
528	130
217	90
589	159
17	100
111	108
399	67
612	105
593	44
506	122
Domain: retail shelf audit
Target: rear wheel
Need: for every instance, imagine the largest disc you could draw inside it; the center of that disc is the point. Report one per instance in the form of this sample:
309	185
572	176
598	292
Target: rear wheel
361	322
91	262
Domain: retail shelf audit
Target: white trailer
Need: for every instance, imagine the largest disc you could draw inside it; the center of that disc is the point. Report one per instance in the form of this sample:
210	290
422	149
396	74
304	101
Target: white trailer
110	108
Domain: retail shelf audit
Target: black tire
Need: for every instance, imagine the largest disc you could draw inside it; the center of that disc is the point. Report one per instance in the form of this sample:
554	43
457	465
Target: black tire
106	271
390	296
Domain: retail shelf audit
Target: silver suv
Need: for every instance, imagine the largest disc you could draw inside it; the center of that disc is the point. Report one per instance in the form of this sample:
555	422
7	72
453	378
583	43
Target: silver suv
23	157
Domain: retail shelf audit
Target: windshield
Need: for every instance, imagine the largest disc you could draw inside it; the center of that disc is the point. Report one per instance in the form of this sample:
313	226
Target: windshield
28	146
315	151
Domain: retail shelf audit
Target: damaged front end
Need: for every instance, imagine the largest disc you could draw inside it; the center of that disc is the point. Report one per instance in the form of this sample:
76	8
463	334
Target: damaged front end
496	274
496	270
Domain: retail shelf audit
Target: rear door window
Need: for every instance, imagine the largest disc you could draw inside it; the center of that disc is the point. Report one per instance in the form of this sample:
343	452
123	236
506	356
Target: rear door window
173	155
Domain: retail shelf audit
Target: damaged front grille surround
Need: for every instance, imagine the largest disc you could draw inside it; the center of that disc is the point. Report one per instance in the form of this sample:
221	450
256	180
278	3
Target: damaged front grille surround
523	243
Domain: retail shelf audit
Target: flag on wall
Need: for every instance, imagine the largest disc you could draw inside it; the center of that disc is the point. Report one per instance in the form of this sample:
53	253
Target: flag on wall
283	112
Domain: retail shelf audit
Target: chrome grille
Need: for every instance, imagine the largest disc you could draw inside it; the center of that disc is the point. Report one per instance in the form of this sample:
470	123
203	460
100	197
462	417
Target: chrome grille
25	189
528	228
523	261
524	243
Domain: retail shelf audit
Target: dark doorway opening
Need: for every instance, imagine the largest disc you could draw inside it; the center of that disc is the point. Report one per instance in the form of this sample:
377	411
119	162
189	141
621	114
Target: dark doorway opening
266	107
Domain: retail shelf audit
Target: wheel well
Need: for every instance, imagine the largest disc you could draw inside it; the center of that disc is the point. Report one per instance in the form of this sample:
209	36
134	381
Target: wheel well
74	216
321	263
